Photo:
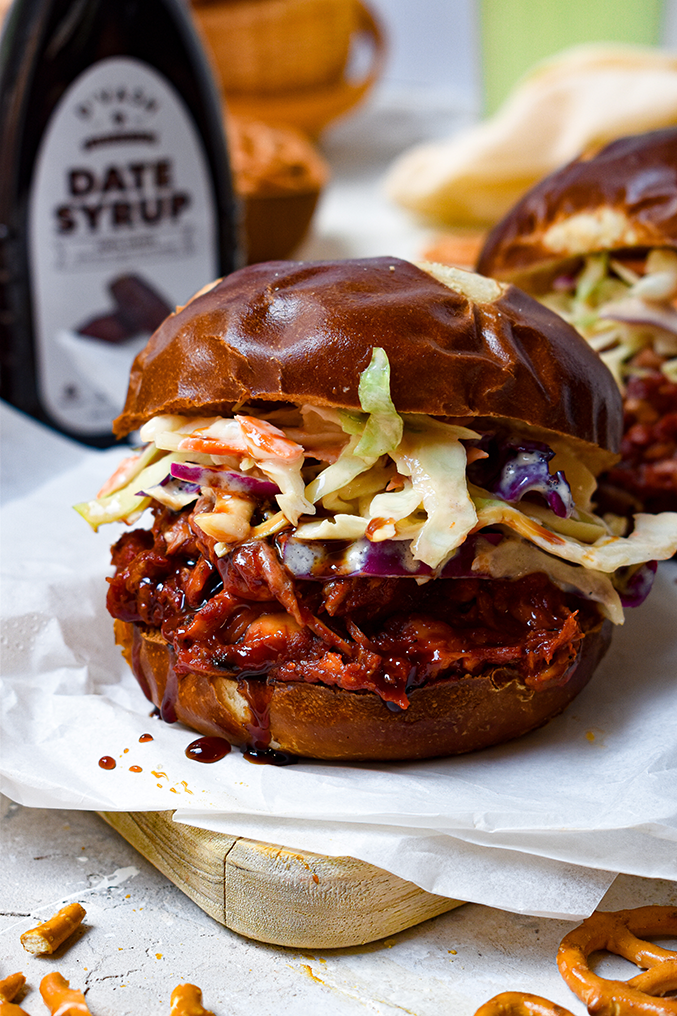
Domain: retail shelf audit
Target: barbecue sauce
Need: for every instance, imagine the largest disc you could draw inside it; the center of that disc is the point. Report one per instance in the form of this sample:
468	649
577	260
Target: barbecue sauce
269	757
258	694
208	749
115	197
170	696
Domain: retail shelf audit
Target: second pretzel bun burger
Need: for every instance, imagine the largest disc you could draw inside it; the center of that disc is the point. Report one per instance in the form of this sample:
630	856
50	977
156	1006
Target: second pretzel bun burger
597	242
373	532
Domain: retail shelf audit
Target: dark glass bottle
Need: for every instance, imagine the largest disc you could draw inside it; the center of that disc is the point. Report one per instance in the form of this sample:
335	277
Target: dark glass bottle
115	197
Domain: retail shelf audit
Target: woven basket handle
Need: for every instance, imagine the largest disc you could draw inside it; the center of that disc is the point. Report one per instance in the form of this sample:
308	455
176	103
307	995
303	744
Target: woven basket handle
368	25
313	109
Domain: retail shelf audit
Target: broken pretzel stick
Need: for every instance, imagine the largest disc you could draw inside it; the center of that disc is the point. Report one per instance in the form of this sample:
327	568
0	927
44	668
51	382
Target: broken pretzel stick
516	1003
11	1009
186	1000
60	998
9	988
47	937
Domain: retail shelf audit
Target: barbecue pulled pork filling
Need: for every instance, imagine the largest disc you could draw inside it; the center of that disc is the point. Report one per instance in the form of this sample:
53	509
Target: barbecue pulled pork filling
371	551
243	614
645	479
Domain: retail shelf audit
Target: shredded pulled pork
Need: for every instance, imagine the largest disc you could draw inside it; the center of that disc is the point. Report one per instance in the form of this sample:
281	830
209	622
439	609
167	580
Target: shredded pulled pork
645	479
244	615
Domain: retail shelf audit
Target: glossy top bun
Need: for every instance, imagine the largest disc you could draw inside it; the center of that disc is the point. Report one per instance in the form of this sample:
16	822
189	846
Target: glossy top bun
623	197
458	345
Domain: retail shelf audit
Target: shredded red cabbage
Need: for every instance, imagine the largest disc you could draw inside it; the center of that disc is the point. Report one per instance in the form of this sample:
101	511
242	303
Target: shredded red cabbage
179	485
515	468
181	491
634	584
319	559
223	479
636	311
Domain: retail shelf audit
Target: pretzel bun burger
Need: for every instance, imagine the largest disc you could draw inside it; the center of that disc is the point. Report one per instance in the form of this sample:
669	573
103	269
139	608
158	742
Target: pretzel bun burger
596	241
373	533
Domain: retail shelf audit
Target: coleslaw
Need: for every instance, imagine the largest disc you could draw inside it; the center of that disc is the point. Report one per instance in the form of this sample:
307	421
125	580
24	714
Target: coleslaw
338	482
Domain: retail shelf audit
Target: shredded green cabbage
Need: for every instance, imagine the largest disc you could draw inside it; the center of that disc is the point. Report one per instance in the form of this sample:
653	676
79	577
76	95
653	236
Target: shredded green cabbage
513	558
395	504
338	527
124	504
383	430
339	473
351	421
426	450
653	538
433	456
376	433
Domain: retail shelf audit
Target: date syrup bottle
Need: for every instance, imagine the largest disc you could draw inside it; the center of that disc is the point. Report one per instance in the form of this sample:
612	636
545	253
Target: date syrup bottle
115	197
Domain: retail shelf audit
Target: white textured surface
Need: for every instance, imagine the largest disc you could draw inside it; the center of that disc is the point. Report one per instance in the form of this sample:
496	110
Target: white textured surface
142	937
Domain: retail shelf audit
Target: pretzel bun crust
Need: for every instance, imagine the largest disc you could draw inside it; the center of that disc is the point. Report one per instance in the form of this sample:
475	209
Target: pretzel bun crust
458	346
461	347
624	196
445	717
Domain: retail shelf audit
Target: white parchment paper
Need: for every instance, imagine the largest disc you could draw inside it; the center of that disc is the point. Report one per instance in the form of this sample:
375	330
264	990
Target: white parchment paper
538	826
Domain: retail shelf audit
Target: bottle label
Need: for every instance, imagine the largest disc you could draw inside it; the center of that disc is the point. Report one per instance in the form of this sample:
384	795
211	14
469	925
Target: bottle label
122	229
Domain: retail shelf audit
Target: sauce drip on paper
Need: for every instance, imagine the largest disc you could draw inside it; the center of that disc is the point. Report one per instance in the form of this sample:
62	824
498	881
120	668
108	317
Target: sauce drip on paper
269	756
208	749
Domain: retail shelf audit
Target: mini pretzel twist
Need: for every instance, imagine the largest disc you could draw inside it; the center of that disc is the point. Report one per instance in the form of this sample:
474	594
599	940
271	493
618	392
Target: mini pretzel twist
9	988
60	998
186	1000
618	933
516	1003
47	937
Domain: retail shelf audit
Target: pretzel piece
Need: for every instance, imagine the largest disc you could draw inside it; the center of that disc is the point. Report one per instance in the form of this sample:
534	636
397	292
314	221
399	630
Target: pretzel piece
9	988
11	1009
47	937
516	1003
60	998
186	1000
618	932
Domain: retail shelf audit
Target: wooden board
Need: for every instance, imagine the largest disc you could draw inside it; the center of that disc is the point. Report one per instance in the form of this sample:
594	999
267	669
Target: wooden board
272	894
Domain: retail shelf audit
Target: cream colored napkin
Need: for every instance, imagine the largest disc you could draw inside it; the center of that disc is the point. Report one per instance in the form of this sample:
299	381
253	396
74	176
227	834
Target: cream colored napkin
571	103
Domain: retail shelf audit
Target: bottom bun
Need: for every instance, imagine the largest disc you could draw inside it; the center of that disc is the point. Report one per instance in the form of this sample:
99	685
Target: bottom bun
445	717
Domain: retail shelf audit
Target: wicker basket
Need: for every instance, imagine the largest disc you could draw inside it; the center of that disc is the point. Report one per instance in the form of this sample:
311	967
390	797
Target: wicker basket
287	61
